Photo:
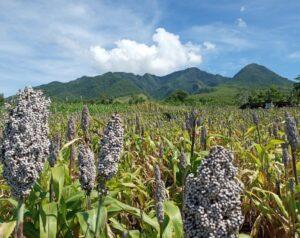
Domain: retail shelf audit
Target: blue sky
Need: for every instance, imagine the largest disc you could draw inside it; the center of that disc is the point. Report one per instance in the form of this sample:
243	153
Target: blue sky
56	40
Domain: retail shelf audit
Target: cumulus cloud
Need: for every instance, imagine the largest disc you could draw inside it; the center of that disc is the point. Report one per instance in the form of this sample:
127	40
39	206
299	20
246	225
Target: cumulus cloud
166	55
241	23
243	8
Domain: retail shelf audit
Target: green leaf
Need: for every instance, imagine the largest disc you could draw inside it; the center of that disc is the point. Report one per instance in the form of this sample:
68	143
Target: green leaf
88	219
174	227
244	235
116	206
7	228
48	220
58	175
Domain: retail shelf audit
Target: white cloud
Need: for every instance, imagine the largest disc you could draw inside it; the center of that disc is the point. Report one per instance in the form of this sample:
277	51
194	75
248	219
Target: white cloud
166	55
241	23
243	8
208	45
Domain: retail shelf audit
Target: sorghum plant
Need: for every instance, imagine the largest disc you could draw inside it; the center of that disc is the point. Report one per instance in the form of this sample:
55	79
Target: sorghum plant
87	171
25	146
111	146
292	134
212	205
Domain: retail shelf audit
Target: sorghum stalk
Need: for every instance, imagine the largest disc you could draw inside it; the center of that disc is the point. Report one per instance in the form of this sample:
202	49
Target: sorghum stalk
71	136
20	219
25	146
256	123
292	133
111	146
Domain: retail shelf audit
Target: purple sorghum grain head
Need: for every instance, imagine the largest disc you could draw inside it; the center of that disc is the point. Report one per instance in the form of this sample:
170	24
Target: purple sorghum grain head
285	154
183	160
87	169
111	146
291	131
203	137
160	194
255	118
25	145
85	120
71	131
55	145
212	205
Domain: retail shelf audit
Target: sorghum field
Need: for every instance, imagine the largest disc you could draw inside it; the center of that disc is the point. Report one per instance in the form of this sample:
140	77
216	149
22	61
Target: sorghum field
130	174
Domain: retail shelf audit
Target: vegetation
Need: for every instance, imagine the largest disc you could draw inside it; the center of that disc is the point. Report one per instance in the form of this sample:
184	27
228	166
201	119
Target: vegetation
296	90
1	99
191	80
265	164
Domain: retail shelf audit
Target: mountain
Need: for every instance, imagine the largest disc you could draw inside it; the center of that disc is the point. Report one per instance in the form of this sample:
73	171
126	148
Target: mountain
191	80
258	75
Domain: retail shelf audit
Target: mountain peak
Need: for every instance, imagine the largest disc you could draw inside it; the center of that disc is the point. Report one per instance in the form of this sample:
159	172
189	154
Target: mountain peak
259	75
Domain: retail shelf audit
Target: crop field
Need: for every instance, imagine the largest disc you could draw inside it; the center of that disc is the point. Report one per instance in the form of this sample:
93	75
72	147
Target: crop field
145	197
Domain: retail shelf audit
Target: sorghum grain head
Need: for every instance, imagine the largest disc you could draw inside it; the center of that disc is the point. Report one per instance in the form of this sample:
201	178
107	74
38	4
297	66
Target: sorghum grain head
203	137
285	154
183	160
255	118
85	120
111	146
212	206
25	144
291	131
55	145
160	194
71	131
87	169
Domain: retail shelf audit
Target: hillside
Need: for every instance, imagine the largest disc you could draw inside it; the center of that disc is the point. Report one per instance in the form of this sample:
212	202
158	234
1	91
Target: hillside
191	80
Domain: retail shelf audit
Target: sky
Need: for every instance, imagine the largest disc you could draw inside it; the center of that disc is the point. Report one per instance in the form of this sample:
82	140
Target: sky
61	40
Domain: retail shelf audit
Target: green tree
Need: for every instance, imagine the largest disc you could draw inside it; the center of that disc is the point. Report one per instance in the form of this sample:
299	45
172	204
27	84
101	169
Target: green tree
177	96
1	99
296	90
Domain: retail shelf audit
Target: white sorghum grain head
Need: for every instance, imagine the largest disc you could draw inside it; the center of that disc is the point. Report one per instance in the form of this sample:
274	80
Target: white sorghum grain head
25	145
87	169
212	206
111	146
